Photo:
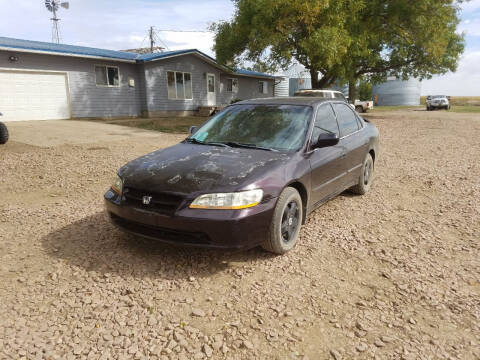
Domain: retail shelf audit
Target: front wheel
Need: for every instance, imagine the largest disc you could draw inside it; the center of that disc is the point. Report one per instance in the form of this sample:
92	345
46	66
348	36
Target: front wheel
366	177
286	222
359	109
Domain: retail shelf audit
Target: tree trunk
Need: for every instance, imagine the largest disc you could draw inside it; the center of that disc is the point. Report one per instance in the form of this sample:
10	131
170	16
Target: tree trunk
352	90
314	78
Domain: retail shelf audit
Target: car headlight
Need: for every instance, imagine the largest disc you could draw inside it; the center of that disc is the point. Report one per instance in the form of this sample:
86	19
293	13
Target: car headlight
117	185
232	201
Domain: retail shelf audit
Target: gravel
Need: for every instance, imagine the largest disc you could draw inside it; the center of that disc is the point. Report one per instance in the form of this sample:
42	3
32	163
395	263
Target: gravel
398	266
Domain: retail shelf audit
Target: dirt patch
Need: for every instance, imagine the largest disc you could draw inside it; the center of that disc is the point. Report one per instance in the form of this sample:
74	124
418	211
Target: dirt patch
73	132
392	275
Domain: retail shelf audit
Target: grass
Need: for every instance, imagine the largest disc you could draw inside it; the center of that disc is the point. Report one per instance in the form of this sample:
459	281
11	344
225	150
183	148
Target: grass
465	109
393	108
459	100
178	125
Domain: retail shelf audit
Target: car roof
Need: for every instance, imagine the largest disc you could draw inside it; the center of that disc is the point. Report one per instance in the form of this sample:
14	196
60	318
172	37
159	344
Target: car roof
316	90
291	100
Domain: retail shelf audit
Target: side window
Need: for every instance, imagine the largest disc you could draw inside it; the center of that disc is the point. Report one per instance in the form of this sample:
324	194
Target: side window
347	121
324	122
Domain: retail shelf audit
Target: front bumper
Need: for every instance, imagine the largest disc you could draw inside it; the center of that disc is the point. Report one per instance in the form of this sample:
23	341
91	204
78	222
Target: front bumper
228	229
439	105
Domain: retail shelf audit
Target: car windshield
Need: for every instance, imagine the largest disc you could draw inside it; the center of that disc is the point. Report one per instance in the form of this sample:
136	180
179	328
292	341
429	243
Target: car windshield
271	127
439	97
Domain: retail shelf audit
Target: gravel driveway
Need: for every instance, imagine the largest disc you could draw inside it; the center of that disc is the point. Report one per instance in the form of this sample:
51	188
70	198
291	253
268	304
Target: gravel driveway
394	274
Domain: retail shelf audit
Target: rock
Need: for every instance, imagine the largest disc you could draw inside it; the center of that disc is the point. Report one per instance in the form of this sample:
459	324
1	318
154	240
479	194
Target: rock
207	350
386	339
198	312
361	326
360	333
247	344
335	355
362	347
133	349
379	343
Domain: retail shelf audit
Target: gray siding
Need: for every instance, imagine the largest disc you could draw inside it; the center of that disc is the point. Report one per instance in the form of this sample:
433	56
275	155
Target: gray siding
150	92
87	99
156	84
247	89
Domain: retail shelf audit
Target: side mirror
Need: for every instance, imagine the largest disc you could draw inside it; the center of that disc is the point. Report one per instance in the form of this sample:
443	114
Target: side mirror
326	140
193	130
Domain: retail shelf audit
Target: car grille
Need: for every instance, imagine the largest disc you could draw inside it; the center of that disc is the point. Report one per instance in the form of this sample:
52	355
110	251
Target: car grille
162	203
176	236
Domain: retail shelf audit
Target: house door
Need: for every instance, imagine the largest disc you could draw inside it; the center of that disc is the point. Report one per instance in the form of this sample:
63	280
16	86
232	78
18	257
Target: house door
211	94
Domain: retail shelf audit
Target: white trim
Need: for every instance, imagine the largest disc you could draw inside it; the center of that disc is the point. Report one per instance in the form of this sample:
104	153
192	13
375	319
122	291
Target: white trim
64	73
214	89
44	52
106	67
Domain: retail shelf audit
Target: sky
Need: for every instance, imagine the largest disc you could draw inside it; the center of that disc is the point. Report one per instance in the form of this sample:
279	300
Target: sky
122	24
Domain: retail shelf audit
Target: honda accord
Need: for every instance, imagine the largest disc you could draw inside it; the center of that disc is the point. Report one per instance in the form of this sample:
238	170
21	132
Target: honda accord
249	176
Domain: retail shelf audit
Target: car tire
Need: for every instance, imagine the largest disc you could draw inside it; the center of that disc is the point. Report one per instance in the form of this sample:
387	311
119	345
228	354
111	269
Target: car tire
286	222
359	109
428	108
3	133
366	177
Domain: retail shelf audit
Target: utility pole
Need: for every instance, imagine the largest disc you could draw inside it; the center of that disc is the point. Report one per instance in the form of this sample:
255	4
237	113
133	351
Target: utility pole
152	40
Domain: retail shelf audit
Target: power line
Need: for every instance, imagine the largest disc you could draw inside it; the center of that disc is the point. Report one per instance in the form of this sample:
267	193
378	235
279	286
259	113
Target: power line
185	31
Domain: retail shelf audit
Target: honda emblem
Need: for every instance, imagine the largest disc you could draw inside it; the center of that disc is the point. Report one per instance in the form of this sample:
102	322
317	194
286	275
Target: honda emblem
146	200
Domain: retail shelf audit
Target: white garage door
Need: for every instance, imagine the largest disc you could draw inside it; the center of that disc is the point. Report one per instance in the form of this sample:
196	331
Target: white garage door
33	96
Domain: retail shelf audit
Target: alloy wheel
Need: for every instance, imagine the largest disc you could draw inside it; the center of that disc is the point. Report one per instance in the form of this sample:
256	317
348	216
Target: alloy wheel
290	221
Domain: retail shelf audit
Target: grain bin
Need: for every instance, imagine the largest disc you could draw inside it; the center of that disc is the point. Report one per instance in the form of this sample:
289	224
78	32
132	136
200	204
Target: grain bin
299	78
281	86
397	92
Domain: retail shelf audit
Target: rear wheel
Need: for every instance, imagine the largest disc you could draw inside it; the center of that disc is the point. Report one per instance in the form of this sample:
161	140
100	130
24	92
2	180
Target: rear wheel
3	133
286	222
366	177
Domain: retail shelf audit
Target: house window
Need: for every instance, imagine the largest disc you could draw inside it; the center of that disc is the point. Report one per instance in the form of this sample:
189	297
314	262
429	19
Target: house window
107	75
232	85
263	87
179	85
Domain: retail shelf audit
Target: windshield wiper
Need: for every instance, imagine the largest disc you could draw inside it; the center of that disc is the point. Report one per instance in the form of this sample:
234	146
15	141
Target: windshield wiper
213	143
249	146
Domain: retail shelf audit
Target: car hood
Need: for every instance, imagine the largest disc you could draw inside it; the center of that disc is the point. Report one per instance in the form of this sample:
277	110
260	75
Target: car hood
191	168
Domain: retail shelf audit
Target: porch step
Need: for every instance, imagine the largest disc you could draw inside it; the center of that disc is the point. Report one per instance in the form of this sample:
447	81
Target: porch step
208	110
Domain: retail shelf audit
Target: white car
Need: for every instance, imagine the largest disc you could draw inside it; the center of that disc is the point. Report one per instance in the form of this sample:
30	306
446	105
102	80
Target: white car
437	102
325	94
363	106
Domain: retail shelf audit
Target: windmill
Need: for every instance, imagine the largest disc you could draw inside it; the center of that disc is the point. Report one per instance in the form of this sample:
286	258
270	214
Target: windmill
53	6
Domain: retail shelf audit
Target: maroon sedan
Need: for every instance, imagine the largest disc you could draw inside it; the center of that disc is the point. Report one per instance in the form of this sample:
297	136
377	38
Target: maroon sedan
249	176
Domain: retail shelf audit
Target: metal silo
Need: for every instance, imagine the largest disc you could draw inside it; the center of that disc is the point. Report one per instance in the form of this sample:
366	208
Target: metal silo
281	86
299	78
397	92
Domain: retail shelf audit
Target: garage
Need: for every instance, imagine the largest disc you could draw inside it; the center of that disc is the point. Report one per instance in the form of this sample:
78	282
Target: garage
33	95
